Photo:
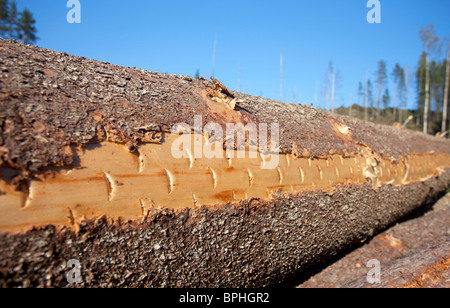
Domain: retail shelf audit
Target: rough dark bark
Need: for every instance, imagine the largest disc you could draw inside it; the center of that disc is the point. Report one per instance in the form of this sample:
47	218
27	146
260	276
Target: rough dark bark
49	100
251	244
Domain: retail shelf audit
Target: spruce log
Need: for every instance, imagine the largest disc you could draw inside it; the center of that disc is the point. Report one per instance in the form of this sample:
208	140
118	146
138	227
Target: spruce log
87	174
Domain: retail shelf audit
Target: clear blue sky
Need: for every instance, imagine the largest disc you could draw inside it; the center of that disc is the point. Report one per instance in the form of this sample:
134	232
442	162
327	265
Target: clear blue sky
177	36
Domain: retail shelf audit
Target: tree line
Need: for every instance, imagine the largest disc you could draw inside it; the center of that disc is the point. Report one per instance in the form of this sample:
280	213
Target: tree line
430	80
16	25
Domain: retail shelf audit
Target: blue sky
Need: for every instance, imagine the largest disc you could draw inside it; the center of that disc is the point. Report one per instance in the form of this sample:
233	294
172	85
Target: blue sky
177	36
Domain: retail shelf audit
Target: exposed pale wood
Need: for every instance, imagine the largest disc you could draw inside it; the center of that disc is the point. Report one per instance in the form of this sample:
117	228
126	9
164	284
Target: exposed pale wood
113	182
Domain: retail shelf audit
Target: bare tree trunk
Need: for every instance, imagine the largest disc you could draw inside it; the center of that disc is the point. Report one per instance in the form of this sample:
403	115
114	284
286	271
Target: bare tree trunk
447	85
404	108
427	96
366	98
405	103
400	115
394	111
333	85
380	91
351	105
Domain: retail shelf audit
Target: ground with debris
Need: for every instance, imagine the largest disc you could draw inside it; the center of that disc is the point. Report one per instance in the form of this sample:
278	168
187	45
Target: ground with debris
414	253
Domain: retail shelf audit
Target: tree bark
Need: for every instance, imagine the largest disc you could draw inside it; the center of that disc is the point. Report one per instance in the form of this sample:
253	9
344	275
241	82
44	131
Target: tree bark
394	114
333	88
366	107
380	91
446	94
427	96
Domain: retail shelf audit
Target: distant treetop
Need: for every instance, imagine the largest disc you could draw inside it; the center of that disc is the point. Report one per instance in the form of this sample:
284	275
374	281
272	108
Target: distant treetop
17	26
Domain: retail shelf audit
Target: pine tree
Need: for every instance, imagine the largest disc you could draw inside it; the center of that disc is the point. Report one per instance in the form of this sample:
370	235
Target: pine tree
437	85
13	26
370	99
4	13
25	27
381	77
420	87
403	93
360	93
386	100
12	20
366	100
332	72
409	76
446	93
430	41
399	91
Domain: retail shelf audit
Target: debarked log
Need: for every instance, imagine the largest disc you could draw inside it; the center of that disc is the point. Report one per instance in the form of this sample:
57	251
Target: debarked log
98	186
